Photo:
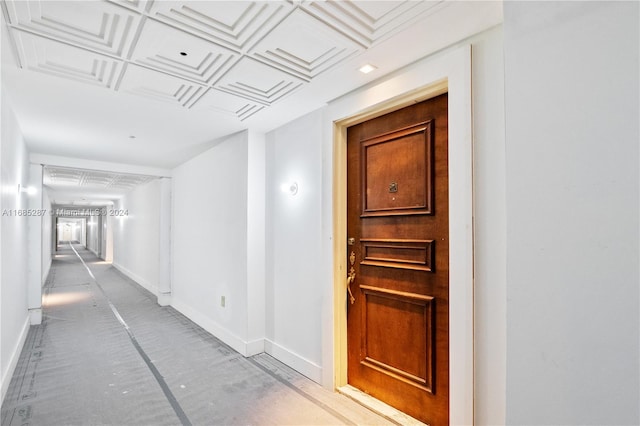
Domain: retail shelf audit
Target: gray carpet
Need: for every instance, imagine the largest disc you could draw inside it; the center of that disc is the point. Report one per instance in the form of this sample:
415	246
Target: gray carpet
107	354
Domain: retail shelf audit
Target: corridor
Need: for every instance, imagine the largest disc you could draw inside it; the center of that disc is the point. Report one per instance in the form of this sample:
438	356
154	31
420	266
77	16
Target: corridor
107	354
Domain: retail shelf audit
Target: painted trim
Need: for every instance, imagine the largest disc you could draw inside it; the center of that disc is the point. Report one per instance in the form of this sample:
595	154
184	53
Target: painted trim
255	347
446	72
79	163
15	356
164	299
218	331
45	272
137	278
35	316
302	365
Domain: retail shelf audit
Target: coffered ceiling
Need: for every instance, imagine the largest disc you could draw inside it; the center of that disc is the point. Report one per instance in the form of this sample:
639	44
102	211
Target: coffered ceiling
153	82
73	186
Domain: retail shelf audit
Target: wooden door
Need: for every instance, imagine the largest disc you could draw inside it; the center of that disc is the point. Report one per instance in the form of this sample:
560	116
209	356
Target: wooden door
398	225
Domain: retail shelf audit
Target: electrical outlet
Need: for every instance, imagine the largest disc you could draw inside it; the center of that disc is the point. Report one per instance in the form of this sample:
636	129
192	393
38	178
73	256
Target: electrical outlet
223	301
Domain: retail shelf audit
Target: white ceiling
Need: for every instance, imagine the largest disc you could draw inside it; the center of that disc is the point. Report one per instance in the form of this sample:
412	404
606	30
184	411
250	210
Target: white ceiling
72	186
108	81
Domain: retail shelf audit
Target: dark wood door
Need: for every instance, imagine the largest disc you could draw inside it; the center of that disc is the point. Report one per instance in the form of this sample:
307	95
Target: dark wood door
398	222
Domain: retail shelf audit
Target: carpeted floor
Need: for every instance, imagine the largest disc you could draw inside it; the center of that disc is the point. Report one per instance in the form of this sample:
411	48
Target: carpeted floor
107	354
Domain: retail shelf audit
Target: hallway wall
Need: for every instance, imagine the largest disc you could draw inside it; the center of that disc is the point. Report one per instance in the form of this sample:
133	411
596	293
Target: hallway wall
135	223
93	234
48	236
299	229
572	131
14	316
295	279
209	240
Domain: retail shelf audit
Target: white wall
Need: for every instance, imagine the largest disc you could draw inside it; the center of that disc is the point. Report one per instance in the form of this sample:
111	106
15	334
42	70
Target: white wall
47	236
14	317
571	95
135	223
93	234
256	244
299	229
489	229
209	240
294	245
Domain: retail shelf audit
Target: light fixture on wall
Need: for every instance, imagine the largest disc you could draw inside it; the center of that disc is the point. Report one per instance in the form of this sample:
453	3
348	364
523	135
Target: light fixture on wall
29	190
289	188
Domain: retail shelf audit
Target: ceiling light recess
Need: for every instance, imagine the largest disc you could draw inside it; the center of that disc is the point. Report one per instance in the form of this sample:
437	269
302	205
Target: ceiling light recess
367	68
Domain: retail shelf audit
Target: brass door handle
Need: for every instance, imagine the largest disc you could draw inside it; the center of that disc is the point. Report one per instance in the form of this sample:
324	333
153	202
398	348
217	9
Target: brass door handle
351	278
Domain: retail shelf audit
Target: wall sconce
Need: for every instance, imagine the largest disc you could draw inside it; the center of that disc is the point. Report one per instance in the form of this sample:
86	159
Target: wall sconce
29	190
291	188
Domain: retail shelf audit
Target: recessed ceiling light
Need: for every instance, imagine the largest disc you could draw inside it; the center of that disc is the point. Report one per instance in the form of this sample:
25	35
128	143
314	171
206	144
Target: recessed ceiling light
183	53
366	69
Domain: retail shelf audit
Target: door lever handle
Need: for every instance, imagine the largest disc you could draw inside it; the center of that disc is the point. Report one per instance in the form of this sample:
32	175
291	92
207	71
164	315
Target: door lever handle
351	278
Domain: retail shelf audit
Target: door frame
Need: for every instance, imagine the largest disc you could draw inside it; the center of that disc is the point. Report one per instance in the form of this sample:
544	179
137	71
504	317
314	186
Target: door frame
447	72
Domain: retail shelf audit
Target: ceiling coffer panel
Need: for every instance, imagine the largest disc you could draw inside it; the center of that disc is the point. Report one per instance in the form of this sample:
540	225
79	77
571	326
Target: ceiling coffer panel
161	87
233	24
97	26
137	5
368	22
68	177
225	103
173	51
258	82
244	55
61	60
314	49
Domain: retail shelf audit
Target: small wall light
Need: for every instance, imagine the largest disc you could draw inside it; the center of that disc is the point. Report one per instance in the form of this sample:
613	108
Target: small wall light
29	190
291	188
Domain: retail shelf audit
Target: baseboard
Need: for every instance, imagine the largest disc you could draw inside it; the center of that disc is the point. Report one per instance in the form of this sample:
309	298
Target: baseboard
213	327
293	360
137	278
254	347
15	356
45	272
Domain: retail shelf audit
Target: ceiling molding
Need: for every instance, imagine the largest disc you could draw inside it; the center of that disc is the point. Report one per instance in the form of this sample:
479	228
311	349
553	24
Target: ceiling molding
314	49
181	54
80	163
105	79
106	29
368	22
61	60
176	51
235	25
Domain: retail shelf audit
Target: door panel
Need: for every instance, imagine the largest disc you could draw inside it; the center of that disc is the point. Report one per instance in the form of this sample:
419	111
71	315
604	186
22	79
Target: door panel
397	207
411	151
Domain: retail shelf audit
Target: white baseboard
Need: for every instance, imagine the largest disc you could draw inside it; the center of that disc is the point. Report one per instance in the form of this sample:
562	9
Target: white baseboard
164	299
15	356
45	272
293	360
35	316
215	329
137	278
255	347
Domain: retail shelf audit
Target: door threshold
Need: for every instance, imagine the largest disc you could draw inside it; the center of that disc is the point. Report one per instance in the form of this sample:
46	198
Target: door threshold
388	412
